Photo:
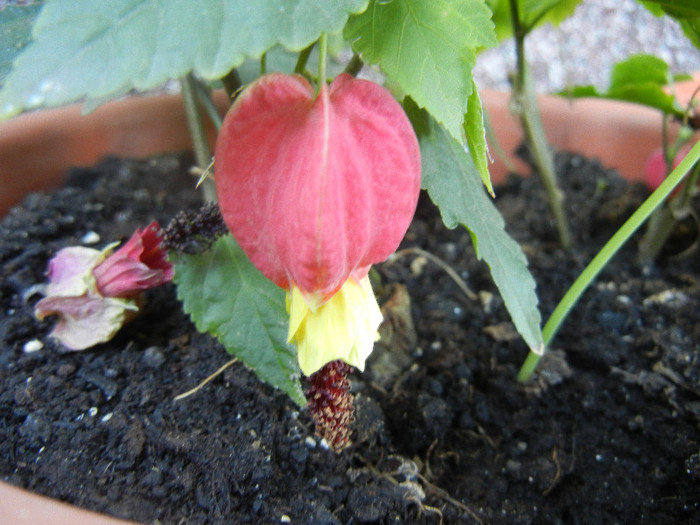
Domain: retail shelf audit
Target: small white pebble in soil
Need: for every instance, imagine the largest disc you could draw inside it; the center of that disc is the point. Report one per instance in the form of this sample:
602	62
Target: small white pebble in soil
285	519
32	346
417	265
90	238
92	411
107	417
324	444
310	442
487	301
624	299
599	458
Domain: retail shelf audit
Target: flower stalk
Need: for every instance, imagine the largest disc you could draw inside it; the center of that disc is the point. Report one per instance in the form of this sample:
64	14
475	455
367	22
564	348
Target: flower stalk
527	109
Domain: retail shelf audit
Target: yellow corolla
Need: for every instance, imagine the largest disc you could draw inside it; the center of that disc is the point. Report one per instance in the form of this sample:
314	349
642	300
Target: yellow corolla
344	327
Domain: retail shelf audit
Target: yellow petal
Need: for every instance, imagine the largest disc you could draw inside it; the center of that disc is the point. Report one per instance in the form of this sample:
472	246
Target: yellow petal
344	327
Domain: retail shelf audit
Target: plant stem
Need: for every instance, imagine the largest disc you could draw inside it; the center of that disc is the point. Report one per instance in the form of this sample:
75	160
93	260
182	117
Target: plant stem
621	236
232	83
528	111
209	106
664	219
303	59
263	64
354	66
198	133
322	56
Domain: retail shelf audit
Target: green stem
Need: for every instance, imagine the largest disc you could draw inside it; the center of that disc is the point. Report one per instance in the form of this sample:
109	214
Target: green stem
303	59
664	219
322	56
528	111
354	66
232	83
660	228
621	236
263	64
209	106
198	133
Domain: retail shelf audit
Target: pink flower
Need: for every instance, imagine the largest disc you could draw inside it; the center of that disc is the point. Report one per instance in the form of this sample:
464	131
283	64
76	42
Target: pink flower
655	168
315	189
137	266
94	293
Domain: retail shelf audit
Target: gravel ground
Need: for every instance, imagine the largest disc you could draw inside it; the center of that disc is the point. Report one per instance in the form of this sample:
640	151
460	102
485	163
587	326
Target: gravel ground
585	46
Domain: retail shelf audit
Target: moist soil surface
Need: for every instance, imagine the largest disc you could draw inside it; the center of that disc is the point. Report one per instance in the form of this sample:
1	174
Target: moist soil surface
607	432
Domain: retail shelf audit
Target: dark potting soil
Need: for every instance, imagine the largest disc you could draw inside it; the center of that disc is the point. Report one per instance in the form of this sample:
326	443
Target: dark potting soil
606	433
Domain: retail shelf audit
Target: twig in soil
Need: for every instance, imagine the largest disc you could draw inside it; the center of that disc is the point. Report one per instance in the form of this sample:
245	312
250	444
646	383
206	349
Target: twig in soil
389	476
557	474
202	174
203	383
442	264
443	494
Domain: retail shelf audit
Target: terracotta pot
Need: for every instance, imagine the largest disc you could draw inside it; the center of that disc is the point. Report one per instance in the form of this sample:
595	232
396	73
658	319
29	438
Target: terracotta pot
37	149
620	135
20	507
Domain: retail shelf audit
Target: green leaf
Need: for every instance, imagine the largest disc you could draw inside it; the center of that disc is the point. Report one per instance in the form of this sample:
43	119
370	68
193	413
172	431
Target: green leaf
453	184
227	296
15	33
640	79
475	130
533	13
691	28
685	12
427	48
97	49
676	8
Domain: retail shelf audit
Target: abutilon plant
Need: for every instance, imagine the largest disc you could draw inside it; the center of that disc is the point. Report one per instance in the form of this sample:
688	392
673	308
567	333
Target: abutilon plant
316	186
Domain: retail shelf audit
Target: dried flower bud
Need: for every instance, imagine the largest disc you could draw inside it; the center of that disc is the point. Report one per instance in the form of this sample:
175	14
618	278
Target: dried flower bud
194	232
137	266
331	403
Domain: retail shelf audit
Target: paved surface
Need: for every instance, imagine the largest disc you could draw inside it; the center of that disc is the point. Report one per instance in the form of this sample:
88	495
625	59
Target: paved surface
584	47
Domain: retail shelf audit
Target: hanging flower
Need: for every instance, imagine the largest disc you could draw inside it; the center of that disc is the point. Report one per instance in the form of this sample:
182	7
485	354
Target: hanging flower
94	293
316	189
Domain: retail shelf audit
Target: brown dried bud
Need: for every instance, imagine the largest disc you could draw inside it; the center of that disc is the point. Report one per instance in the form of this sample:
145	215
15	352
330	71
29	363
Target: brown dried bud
331	403
194	232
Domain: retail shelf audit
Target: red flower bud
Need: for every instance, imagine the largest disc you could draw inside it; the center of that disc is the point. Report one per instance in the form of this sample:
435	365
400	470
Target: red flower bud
137	266
316	189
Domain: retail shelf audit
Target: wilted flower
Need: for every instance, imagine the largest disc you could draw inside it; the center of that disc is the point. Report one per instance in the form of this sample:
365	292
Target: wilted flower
316	189
137	266
95	292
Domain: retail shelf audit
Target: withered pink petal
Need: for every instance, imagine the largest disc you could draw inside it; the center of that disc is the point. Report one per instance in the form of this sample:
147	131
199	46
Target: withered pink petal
69	270
315	189
138	265
86	320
